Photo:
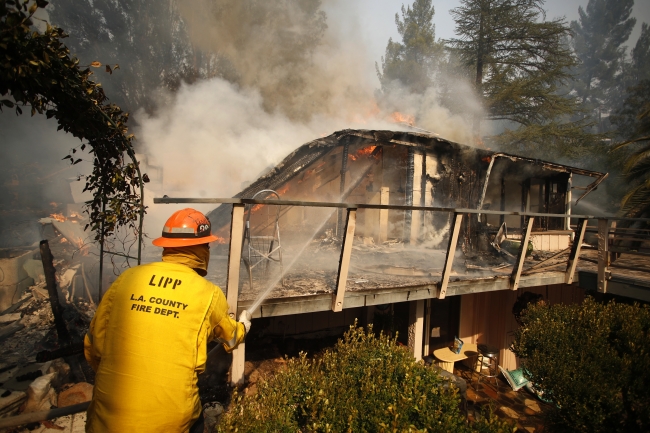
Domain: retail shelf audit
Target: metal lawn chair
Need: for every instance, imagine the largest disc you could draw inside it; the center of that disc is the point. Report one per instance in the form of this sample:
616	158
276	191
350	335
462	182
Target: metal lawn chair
262	247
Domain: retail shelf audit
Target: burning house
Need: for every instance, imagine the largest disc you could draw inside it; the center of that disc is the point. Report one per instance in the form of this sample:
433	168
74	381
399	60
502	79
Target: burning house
408	190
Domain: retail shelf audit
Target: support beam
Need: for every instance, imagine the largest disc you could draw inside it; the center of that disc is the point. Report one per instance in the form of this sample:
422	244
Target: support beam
383	214
523	248
603	254
418	198
449	259
344	262
567	208
232	288
344	169
427	328
416	328
574	255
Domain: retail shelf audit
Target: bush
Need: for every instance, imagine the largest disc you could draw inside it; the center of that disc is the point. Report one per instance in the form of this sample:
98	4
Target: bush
592	361
364	384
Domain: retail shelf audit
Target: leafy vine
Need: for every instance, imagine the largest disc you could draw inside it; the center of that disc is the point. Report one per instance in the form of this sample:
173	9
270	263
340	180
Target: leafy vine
37	70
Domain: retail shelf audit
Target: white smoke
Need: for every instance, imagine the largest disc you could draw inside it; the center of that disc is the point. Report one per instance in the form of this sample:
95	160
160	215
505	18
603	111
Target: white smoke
213	136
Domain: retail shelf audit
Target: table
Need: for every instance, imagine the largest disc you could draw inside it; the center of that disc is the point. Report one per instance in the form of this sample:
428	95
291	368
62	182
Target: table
446	357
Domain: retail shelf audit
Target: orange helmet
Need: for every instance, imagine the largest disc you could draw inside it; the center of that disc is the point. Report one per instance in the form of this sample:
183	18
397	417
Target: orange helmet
185	228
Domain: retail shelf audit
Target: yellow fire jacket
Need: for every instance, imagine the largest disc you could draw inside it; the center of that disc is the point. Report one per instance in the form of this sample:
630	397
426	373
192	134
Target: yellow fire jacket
147	343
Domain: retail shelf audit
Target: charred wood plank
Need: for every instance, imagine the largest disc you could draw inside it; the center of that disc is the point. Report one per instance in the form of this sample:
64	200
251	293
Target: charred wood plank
451	251
574	256
50	281
523	248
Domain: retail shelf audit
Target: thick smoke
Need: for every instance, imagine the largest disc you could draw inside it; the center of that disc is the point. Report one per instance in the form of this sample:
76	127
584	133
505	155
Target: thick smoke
295	76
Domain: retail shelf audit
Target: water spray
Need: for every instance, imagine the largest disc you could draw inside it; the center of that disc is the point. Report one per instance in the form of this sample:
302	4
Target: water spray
276	280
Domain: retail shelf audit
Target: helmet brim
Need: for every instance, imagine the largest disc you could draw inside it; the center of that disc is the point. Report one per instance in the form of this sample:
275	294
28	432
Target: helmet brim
183	242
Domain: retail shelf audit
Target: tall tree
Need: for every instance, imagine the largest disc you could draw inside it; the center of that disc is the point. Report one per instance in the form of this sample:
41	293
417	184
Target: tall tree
520	62
147	39
599	34
641	55
263	45
412	63
636	202
632	90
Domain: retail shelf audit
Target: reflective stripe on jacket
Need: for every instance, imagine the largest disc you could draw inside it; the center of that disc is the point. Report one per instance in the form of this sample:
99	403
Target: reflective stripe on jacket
147	342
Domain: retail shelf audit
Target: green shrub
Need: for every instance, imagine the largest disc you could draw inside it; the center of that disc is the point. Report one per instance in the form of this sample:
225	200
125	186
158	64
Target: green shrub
364	384
593	362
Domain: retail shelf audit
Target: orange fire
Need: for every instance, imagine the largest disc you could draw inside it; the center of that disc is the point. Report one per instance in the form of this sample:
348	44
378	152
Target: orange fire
58	216
219	240
366	151
257	207
403	118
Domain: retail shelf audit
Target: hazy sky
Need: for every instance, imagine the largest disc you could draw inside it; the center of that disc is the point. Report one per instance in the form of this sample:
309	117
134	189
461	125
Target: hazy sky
375	19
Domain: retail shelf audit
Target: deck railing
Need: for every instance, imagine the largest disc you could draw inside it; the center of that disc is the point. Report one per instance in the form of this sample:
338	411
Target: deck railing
607	234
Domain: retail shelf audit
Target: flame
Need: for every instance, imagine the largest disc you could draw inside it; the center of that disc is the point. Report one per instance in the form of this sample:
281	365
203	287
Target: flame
257	207
366	151
403	118
53	204
219	240
58	216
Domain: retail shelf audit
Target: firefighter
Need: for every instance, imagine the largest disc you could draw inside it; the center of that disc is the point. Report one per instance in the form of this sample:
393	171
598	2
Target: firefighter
148	339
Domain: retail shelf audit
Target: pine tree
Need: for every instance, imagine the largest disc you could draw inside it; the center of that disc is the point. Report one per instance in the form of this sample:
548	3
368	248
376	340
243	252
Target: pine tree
632	90
147	39
412	63
633	121
520	62
604	26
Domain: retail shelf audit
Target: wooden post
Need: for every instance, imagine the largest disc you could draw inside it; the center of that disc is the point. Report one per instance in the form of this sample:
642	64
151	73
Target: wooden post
612	234
567	208
519	263
416	328
344	169
418	198
383	215
427	327
344	262
449	259
50	281
232	288
603	254
574	255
